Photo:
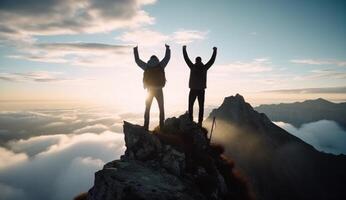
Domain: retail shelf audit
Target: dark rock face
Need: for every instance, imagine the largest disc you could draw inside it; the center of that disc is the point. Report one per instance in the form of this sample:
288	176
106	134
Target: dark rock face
278	164
176	162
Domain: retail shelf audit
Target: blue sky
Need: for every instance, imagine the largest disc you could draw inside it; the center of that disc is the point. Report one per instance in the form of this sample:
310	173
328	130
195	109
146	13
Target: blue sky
263	46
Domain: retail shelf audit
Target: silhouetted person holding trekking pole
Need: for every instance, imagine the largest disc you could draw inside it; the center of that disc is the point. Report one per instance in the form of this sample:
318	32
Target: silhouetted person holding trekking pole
154	80
198	82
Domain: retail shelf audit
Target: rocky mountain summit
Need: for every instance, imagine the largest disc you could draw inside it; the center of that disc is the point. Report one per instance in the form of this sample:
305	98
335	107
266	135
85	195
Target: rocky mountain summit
176	162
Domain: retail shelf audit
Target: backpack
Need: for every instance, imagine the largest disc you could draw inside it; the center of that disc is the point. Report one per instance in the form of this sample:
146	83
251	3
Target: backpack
154	77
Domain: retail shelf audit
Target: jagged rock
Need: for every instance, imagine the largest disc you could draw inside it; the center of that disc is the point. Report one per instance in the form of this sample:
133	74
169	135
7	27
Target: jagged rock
141	145
173	163
133	180
173	160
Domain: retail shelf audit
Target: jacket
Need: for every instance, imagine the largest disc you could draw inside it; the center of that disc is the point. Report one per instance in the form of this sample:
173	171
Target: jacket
152	62
198	71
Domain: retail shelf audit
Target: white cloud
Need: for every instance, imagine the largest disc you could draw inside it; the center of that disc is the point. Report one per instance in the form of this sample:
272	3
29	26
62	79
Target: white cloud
65	168
26	124
9	158
254	66
35	145
73	175
319	62
146	37
188	36
322	74
95	128
36	76
324	135
36	162
78	54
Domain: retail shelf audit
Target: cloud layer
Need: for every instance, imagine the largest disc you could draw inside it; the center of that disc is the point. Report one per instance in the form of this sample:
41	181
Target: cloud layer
324	135
63	170
42	164
64	147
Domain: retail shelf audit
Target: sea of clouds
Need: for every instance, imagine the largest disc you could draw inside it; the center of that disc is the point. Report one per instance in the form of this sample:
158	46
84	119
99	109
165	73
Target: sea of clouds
324	135
54	153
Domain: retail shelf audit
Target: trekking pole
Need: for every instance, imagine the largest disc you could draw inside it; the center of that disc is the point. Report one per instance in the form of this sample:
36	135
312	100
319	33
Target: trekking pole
212	128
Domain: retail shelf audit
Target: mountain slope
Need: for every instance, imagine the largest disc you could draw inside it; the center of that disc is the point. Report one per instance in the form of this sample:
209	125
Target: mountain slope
299	113
279	165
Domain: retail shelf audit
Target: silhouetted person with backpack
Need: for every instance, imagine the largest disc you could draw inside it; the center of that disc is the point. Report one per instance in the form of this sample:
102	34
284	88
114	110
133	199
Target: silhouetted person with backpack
198	82
154	80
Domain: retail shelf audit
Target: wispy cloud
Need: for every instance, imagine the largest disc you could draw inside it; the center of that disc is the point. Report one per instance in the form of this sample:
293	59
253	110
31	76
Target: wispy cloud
322	74
82	47
147	37
322	90
80	54
144	37
254	66
188	36
319	62
38	76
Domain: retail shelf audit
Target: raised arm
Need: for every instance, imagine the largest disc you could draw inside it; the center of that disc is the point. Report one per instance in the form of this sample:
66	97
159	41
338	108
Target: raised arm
186	57
139	62
165	60
212	59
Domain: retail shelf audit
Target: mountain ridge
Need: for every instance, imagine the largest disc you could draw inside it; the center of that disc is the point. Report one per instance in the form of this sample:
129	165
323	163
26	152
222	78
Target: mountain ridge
278	164
299	113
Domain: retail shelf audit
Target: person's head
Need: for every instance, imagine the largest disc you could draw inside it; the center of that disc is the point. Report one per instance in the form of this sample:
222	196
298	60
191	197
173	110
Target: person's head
153	60
198	60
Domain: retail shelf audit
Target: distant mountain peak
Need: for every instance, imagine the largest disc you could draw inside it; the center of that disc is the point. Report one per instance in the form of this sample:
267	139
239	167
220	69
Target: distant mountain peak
319	100
236	110
236	103
237	98
299	113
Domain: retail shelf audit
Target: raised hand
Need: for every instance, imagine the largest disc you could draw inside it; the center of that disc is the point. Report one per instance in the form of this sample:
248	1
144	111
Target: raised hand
184	47
166	45
214	48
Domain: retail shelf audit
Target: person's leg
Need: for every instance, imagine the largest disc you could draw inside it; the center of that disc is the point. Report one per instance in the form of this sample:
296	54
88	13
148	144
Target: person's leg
201	94
192	98
160	101
148	101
